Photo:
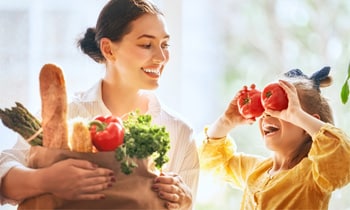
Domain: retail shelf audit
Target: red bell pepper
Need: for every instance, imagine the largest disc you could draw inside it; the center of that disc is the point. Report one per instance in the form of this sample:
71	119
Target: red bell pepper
107	132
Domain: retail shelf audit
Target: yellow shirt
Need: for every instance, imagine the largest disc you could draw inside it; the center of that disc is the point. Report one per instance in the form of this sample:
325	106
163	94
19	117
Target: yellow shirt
308	185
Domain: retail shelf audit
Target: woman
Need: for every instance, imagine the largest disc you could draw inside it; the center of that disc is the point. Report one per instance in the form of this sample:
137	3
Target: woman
311	157
131	40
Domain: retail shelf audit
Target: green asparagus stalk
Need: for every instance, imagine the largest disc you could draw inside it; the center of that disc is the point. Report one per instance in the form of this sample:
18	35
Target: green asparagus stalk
20	120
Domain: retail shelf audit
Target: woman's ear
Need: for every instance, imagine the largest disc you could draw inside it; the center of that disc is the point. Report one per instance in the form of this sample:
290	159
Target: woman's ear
107	49
317	116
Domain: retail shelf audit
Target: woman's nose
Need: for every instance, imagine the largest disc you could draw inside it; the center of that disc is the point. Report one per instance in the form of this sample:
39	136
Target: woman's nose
160	56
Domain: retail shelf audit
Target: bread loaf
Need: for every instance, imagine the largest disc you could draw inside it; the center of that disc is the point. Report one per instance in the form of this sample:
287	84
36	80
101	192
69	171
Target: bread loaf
54	107
80	138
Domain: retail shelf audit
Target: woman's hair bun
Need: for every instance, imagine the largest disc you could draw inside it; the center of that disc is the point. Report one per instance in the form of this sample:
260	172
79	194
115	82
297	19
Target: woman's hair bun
89	45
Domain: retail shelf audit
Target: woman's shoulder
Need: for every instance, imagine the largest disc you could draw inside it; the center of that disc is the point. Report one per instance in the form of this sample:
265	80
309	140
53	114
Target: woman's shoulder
89	95
164	115
175	117
87	103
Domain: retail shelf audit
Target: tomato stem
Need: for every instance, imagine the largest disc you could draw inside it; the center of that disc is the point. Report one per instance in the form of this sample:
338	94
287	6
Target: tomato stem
268	94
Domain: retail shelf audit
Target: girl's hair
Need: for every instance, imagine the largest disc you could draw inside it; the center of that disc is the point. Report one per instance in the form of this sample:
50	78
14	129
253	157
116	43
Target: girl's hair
312	102
309	92
114	22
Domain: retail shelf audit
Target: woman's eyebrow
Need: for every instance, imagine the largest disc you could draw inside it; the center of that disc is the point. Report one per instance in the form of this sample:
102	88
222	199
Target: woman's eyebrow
151	36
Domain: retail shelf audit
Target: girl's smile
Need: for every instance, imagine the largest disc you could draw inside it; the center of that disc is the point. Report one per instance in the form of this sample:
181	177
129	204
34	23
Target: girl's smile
269	129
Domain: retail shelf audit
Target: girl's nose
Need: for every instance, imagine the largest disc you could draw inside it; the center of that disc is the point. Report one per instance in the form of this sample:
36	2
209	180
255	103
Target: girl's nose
265	115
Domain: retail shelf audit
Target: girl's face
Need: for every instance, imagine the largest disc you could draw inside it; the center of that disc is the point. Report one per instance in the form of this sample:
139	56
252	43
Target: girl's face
281	136
141	55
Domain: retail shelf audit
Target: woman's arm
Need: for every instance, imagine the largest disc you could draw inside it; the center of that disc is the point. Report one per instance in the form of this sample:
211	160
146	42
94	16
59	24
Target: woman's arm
69	179
179	186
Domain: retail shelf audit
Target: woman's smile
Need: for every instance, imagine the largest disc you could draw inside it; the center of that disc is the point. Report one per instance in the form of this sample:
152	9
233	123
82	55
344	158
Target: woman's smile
152	72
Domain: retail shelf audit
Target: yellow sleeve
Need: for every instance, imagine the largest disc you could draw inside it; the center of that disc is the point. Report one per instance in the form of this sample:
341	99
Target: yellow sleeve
215	153
220	158
330	154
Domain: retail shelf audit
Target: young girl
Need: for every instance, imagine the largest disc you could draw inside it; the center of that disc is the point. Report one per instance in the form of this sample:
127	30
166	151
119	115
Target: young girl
131	40
311	157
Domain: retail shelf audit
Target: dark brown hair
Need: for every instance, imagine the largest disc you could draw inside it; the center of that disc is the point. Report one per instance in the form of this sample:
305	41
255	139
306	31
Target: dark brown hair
309	91
312	102
113	23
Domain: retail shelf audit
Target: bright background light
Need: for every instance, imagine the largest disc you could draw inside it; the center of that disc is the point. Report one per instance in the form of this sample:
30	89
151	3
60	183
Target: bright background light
216	48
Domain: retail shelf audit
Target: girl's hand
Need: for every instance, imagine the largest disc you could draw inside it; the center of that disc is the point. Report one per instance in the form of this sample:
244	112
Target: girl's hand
232	115
295	114
74	179
294	108
228	120
173	190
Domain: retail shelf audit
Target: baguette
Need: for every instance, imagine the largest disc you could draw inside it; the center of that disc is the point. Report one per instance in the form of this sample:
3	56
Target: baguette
54	107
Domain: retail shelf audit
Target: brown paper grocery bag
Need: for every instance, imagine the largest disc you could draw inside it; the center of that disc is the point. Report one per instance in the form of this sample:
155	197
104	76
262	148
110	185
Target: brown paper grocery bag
128	192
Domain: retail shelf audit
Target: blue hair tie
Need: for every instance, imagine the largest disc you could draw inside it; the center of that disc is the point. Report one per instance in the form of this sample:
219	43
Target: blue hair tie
320	75
316	77
295	73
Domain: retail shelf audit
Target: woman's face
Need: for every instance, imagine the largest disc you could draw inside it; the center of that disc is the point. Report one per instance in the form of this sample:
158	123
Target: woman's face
281	136
141	55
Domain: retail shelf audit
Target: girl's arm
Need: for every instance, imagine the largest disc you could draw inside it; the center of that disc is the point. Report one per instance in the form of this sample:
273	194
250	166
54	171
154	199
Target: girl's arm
227	121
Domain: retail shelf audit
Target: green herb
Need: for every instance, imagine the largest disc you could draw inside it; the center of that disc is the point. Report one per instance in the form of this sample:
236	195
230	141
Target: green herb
20	120
344	94
142	140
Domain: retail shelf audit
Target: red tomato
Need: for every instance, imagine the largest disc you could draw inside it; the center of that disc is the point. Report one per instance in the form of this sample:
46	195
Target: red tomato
249	102
274	97
107	133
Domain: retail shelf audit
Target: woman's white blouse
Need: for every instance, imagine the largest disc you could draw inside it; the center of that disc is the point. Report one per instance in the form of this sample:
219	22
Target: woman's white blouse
183	156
